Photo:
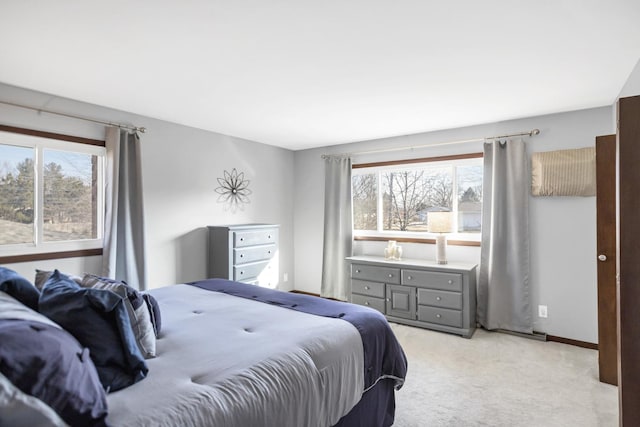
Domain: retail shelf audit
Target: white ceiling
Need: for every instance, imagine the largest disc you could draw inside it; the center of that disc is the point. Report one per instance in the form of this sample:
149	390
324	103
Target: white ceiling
300	74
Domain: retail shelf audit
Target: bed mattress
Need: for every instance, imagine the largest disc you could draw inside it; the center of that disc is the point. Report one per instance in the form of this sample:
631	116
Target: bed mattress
229	361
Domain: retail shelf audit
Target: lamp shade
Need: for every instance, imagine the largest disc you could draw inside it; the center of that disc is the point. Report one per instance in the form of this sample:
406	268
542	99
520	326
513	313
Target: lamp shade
439	222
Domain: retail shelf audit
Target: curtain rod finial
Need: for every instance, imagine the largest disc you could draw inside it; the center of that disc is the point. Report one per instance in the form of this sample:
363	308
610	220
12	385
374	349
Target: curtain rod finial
144	130
535	132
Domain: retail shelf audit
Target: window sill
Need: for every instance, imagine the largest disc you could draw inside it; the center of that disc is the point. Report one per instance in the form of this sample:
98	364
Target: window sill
11	259
450	242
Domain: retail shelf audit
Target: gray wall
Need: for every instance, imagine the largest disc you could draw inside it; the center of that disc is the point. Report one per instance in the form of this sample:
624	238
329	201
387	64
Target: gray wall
563	229
180	167
632	86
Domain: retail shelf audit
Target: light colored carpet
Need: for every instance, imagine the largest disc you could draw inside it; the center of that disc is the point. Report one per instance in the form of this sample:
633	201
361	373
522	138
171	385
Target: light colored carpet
496	379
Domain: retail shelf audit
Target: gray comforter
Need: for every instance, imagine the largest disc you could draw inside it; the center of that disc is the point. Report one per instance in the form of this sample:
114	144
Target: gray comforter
229	361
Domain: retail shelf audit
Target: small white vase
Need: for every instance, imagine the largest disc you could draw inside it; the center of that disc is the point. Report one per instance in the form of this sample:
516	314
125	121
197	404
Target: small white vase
397	253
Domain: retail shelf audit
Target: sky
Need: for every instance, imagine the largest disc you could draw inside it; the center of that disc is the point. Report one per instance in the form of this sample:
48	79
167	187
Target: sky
73	164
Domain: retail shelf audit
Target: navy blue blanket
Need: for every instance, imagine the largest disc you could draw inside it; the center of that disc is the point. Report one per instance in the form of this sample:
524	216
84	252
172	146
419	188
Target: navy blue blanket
383	356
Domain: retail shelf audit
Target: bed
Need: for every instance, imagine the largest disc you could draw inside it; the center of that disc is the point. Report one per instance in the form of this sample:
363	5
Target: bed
90	351
232	354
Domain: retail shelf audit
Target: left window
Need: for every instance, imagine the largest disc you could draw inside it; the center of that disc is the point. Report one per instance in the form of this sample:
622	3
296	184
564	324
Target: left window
51	194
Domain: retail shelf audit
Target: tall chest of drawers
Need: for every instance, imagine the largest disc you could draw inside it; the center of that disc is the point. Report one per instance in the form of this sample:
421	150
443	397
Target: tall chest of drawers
416	292
245	253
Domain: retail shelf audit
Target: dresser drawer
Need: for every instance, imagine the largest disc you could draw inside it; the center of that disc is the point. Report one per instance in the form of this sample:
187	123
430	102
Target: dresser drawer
444	299
441	316
433	279
375	273
247	271
254	237
376	303
253	253
374	289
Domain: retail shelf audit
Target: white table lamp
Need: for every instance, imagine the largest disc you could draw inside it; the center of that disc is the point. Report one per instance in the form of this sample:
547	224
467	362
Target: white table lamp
440	222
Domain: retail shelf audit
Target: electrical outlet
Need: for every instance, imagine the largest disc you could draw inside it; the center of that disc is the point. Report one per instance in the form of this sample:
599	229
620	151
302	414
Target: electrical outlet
542	311
285	277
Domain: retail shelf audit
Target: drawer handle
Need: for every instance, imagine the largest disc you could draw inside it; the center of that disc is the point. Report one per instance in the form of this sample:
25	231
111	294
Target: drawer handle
241	273
390	275
241	255
366	288
357	271
388	299
438	315
242	239
450	281
268	252
366	303
409	277
269	236
438	298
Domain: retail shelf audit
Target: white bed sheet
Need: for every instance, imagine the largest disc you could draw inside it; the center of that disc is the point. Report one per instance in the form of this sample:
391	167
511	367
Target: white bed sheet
230	361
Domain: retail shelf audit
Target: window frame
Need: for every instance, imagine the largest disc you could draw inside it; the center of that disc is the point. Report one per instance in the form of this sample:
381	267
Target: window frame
39	249
456	238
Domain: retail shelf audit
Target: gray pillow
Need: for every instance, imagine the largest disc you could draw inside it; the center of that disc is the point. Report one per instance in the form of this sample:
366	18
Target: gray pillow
43	275
136	308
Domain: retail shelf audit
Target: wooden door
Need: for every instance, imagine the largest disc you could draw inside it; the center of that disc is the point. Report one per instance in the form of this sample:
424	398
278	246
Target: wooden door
606	235
628	189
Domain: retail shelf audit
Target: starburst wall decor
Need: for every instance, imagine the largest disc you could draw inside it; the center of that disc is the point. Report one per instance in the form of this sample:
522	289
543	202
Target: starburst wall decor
233	190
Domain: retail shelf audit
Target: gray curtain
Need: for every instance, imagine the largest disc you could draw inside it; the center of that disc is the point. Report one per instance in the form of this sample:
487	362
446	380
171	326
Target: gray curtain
337	228
123	255
503	285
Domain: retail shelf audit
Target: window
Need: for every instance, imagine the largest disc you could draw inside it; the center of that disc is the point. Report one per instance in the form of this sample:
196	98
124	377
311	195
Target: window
51	194
395	198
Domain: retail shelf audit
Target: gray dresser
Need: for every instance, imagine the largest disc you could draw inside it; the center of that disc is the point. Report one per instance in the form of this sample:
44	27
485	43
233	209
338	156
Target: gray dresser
244	253
416	292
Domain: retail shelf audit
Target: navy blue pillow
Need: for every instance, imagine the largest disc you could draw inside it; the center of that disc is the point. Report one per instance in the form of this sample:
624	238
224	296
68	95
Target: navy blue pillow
99	320
19	288
46	362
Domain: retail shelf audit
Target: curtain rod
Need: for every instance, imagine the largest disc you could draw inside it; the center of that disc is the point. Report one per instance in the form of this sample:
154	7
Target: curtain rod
73	116
532	132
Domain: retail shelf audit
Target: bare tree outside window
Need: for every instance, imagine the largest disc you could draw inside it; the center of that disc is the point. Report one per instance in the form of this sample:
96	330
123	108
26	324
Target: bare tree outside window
439	188
403	197
365	200
409	195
